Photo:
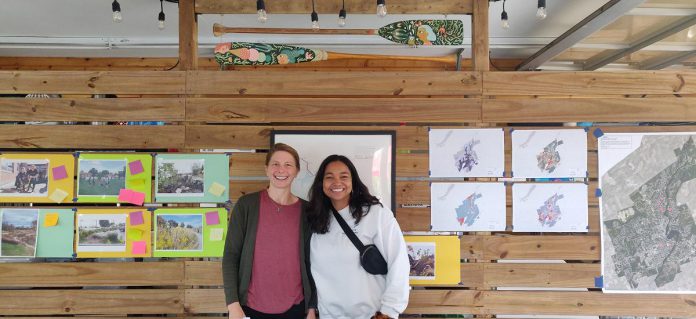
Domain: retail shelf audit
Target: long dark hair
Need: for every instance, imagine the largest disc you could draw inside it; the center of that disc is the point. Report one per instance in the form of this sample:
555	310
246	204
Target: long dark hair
319	209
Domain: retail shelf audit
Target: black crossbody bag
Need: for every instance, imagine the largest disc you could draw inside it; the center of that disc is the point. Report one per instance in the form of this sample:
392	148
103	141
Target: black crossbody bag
370	257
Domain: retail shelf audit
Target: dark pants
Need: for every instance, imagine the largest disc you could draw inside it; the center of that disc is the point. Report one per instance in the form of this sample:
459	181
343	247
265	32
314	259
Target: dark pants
295	312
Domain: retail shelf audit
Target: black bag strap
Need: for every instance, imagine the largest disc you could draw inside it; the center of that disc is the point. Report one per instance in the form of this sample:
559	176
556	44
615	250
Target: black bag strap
349	232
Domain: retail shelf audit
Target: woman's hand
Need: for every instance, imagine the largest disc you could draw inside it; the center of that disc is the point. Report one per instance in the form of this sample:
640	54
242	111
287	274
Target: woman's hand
311	313
235	310
379	315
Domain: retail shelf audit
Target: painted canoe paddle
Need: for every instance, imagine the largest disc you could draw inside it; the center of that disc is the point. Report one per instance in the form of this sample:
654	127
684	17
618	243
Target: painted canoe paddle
411	32
251	53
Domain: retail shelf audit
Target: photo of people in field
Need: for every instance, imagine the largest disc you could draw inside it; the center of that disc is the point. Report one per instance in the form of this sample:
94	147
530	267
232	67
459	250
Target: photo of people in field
19	230
101	177
179	232
180	176
23	177
421	256
101	232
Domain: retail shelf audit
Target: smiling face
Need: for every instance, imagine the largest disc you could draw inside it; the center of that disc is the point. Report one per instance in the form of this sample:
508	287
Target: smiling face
338	184
281	169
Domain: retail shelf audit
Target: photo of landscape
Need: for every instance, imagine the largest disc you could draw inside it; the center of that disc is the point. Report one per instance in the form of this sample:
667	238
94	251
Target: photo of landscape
179	232
180	176
101	232
19	232
101	177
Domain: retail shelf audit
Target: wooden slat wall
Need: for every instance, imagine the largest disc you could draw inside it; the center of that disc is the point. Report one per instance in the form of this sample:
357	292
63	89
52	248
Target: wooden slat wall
207	109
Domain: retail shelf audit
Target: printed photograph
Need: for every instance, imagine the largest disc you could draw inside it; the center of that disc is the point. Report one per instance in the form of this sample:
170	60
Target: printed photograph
101	232
421	256
18	236
179	232
180	177
101	177
23	177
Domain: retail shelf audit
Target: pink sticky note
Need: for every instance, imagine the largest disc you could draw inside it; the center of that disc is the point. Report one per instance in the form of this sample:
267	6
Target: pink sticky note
212	218
59	172
129	196
139	247
136	167
136	218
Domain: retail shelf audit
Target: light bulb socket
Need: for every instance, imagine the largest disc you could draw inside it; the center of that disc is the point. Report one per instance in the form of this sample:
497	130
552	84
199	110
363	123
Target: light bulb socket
315	16
382	2
115	6
504	16
541	4
160	17
260	5
342	14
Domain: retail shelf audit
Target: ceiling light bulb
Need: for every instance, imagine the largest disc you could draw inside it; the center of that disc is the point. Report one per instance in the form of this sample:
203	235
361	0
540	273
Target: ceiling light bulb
116	8
160	20
541	9
381	8
691	33
315	21
504	20
342	18
261	11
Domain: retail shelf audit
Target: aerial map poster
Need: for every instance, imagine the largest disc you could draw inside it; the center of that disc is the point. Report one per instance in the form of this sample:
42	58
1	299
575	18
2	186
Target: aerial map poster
467	206
549	207
549	153
647	212
467	152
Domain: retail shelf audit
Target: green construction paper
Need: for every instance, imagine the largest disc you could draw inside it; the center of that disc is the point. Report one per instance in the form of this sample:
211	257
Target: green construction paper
216	169
56	241
210	248
140	182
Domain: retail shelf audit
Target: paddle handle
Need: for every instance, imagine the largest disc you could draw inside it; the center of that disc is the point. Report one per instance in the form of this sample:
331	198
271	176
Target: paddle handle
219	29
452	59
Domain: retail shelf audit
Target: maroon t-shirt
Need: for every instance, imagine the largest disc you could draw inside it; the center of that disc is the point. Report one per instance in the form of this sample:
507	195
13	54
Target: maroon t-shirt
276	280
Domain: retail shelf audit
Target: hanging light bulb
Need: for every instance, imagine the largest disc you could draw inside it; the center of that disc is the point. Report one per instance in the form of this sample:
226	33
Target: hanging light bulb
541	10
381	8
160	17
342	15
691	33
261	11
315	18
116	8
504	18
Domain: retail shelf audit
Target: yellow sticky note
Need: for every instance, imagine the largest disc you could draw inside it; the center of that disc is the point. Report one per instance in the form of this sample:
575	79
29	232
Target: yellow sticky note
135	234
137	181
216	189
51	219
216	234
58	195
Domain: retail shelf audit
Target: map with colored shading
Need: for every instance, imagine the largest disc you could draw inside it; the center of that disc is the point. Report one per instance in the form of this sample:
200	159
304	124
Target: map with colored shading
468	211
549	213
467	158
548	159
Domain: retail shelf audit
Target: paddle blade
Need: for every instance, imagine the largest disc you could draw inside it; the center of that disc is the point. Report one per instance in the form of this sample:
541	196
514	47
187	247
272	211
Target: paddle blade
248	53
424	32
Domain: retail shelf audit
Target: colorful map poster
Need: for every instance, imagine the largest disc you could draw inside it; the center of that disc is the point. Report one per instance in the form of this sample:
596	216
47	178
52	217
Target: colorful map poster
648	208
434	260
549	207
549	153
467	152
467	207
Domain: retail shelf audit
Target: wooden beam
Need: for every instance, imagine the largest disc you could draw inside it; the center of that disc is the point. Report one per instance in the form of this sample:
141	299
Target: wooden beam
480	43
188	36
102	82
89	109
578	247
353	7
91	136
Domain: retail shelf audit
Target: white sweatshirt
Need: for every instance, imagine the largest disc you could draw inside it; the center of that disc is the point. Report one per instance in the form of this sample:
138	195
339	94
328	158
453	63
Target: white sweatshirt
344	289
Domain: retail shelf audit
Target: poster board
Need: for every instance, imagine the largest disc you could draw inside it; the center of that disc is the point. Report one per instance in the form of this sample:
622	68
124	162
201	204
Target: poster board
36	178
467	152
434	260
549	153
549	207
189	232
192	178
113	233
467	207
102	176
56	233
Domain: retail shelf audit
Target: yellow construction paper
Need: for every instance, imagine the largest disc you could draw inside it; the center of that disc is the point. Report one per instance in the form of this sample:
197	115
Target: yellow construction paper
51	220
135	234
216	234
58	195
216	189
446	259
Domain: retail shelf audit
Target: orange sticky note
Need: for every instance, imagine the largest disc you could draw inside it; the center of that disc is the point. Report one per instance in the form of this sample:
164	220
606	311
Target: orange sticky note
51	219
139	247
58	195
216	189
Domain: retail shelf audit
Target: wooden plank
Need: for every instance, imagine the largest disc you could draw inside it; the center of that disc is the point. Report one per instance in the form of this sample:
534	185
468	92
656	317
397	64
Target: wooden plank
203	273
589	83
91	274
258	137
91	136
99	82
93	301
542	110
444	302
540	275
480	45
205	301
334	83
188	36
239	188
335	110
576	247
472	274
355	7
85	110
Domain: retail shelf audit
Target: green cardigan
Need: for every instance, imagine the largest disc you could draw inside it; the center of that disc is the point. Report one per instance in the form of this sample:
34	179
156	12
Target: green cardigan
239	251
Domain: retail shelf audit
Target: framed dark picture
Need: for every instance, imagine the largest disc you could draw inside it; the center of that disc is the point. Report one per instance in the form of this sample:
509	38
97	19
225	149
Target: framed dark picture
372	153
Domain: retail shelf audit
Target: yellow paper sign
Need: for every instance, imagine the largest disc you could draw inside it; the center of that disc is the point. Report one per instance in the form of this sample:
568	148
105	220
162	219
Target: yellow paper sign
51	219
58	195
216	189
135	234
216	234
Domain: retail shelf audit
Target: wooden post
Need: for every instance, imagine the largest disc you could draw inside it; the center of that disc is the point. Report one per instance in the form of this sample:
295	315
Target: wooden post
479	36
188	36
